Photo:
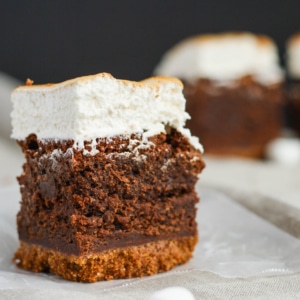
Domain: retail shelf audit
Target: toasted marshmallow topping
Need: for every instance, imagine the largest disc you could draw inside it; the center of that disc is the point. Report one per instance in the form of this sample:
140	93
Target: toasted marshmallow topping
293	56
223	57
99	106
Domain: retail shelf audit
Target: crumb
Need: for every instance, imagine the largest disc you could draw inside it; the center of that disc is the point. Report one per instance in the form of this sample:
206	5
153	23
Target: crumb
29	82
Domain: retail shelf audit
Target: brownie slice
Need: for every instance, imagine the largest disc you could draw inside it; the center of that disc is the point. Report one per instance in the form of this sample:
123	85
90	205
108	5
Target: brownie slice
127	211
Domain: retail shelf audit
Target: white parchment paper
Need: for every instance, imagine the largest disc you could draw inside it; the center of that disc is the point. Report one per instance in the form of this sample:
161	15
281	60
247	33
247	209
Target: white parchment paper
233	243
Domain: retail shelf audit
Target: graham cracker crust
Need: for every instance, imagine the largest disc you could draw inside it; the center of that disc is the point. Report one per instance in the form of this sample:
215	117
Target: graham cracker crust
136	261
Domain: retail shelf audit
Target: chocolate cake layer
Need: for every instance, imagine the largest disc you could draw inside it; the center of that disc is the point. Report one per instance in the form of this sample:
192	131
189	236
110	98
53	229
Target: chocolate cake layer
129	193
293	105
238	118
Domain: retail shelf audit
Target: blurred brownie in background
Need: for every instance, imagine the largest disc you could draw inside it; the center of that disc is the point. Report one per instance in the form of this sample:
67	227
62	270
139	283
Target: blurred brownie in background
234	90
293	87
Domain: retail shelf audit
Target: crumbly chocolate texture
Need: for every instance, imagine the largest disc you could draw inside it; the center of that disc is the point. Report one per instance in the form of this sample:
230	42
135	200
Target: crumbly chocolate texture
236	119
127	195
293	105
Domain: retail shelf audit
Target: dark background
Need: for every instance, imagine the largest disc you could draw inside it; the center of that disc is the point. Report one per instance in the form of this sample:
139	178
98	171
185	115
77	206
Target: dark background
50	41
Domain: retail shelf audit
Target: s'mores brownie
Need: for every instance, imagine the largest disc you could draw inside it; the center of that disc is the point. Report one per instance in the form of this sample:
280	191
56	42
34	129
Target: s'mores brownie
233	86
108	183
293	72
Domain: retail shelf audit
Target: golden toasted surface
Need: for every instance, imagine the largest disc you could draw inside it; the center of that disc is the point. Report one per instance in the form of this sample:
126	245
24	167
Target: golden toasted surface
294	39
262	40
153	82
